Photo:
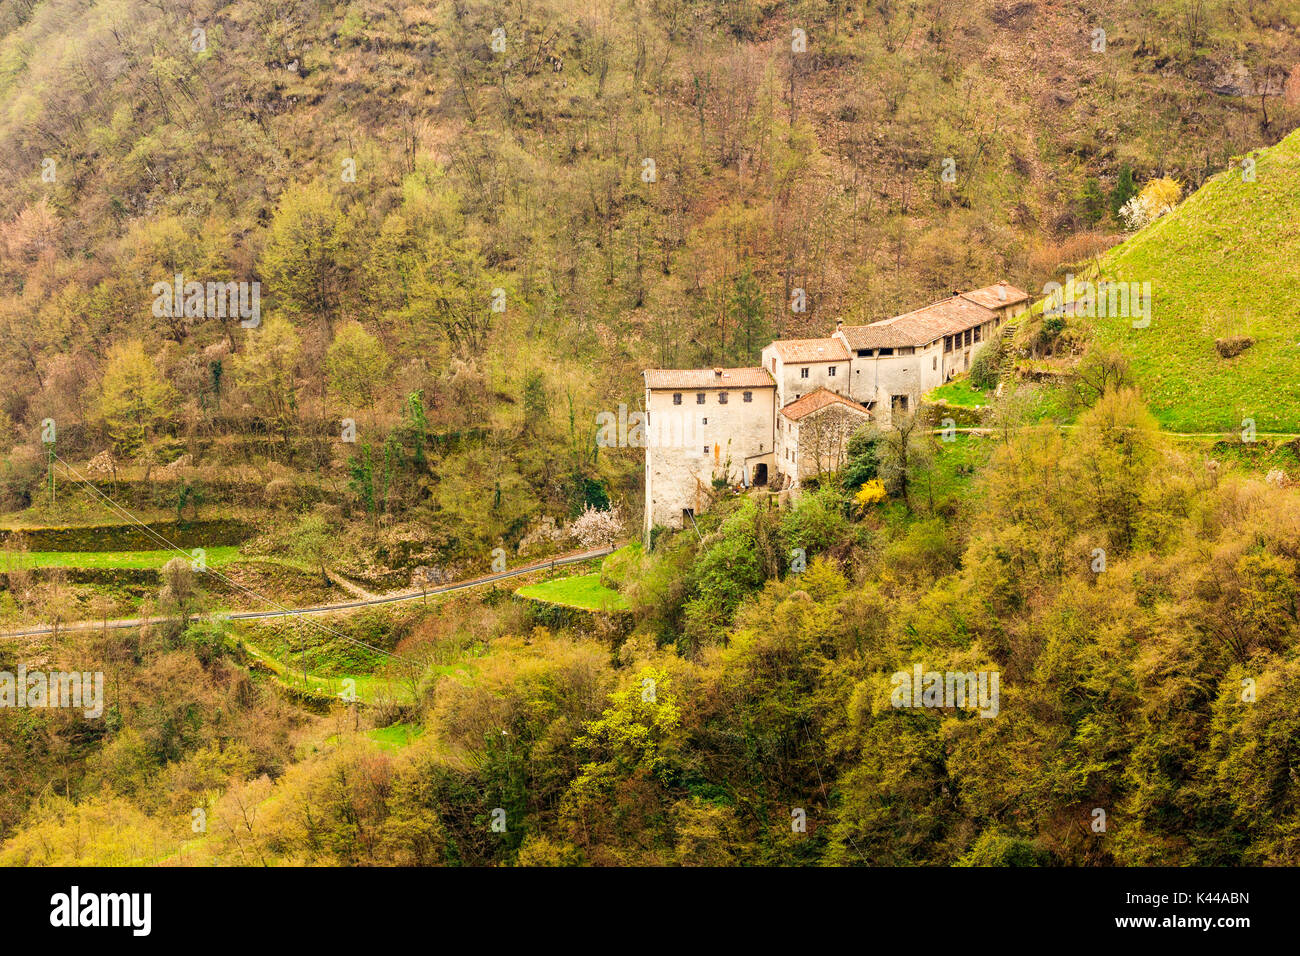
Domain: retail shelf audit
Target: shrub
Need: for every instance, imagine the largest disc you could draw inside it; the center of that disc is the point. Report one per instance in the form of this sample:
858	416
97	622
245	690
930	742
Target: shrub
815	523
1001	849
863	458
595	528
985	365
872	492
1233	345
1158	197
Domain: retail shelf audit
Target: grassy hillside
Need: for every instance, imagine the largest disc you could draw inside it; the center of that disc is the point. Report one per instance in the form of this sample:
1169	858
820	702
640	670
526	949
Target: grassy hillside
1224	263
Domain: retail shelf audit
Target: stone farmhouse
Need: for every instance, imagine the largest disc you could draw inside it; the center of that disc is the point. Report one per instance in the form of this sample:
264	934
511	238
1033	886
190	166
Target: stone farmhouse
790	419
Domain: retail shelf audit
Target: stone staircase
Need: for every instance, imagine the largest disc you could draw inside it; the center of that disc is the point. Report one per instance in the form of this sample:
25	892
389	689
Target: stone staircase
1007	367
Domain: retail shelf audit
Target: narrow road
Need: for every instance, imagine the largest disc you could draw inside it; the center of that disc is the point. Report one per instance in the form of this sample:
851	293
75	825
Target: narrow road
1225	436
322	608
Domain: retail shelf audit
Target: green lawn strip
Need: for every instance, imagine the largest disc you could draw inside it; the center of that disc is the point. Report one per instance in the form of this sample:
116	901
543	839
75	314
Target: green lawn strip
961	393
146	560
392	738
215	557
582	591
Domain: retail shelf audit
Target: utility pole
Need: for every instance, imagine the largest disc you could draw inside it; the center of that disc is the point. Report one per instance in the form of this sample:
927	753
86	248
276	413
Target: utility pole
48	435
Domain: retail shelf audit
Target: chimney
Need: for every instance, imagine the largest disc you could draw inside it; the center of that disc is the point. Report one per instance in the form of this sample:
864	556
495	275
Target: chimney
1002	291
718	372
839	324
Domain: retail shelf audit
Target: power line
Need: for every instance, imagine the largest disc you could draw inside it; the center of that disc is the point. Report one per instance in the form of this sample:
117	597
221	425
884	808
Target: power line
167	544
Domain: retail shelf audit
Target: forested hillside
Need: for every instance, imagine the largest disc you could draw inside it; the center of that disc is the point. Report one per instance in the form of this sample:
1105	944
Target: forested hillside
390	176
1138	602
470	226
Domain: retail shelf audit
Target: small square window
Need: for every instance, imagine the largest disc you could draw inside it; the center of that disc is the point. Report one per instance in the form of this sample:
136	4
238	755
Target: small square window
699	398
831	371
677	398
748	396
722	398
803	372
706	449
704	421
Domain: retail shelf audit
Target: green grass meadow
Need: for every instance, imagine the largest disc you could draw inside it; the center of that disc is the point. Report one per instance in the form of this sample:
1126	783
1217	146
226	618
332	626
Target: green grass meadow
1223	263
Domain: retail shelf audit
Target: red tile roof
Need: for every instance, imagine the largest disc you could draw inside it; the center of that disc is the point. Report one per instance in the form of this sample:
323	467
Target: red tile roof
815	401
699	378
997	296
920	327
959	312
811	350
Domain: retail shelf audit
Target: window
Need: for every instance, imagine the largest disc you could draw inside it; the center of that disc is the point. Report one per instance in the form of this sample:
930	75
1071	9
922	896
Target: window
722	398
748	396
699	398
907	350
704	421
706	449
966	338
886	352
863	353
947	343
831	371
677	398
935	363
898	403
803	372
978	329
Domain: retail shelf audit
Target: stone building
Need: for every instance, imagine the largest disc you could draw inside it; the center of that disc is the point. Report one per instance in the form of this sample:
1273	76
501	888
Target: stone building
791	418
800	365
704	424
896	361
813	434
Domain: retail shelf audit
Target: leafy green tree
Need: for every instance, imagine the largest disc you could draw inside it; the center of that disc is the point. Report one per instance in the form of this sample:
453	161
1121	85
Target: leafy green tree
266	369
357	365
904	449
314	541
134	397
1125	189
303	258
1118	447
862	458
749	316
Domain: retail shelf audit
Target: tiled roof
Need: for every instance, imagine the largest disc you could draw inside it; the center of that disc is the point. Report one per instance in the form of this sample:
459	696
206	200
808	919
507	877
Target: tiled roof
816	400
997	296
921	327
697	378
811	350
